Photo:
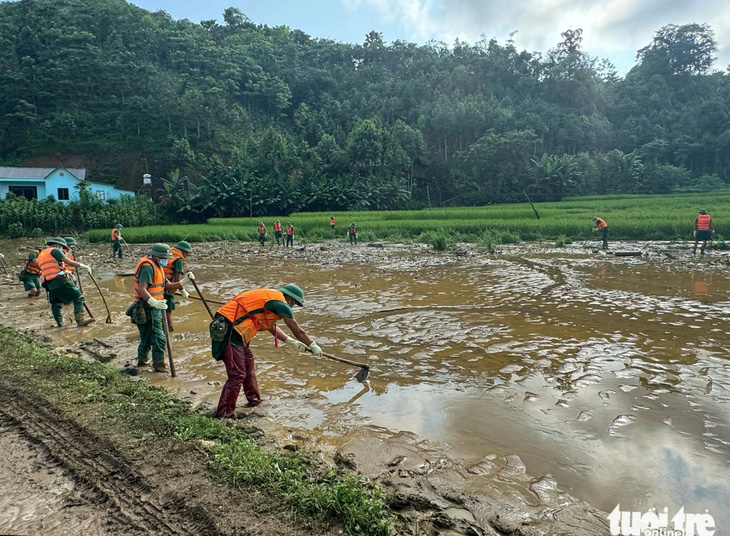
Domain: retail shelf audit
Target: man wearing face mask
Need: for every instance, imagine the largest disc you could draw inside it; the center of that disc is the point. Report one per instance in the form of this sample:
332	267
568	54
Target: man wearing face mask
149	288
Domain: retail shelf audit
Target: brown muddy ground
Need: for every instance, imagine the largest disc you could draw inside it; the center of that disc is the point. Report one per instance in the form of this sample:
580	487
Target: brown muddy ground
509	392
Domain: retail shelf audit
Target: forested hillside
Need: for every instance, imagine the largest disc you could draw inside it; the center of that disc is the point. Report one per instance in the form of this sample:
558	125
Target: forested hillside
270	117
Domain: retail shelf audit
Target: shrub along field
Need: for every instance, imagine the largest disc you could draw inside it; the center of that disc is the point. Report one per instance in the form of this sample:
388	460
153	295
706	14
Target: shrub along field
630	217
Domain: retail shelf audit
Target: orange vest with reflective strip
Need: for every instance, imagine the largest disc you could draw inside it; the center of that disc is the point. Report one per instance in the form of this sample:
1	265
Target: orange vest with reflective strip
114	231
176	254
70	256
290	230
157	287
600	224
248	308
50	267
32	266
332	221
277	227
703	222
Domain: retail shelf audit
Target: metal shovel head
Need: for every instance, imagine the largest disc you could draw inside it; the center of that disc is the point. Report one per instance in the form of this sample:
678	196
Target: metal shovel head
362	375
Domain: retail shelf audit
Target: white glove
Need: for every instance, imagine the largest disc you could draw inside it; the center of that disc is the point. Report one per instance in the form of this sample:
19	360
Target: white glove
315	349
184	279
299	346
191	276
184	293
157	304
85	267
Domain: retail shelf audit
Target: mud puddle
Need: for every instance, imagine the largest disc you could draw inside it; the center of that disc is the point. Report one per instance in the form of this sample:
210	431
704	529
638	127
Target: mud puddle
533	377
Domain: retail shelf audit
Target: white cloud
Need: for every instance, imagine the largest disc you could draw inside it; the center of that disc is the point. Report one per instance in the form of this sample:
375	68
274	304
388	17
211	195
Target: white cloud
611	28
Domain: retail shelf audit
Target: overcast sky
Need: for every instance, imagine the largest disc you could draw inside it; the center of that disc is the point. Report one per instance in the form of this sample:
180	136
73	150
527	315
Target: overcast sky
612	29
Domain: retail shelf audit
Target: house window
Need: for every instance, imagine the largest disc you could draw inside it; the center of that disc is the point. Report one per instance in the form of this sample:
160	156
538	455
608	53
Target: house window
101	194
29	192
63	194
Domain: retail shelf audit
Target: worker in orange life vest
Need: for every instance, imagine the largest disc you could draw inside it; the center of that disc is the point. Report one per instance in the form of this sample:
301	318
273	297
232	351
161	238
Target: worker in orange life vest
174	272
237	323
289	235
332	222
600	224
703	231
32	269
149	289
117	240
61	288
278	233
262	233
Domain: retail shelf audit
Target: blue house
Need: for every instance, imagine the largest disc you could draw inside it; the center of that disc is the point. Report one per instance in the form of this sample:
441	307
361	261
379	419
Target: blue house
60	182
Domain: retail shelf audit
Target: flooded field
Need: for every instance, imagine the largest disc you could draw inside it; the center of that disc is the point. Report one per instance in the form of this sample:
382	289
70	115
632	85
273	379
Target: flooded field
534	375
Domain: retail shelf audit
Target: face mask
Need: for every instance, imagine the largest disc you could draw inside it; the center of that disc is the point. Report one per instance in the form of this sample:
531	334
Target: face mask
163	262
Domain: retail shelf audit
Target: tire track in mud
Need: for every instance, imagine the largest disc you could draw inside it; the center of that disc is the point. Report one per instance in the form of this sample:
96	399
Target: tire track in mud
94	463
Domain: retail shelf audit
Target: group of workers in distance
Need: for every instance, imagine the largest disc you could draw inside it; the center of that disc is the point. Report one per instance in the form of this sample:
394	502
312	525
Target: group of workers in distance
278	233
702	232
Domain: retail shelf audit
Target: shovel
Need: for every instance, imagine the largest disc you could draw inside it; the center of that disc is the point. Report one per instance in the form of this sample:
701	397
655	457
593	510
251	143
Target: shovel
364	369
108	312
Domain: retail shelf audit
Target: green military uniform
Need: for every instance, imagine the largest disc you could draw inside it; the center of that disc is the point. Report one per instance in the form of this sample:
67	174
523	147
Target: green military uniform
117	243
62	291
177	267
151	333
32	282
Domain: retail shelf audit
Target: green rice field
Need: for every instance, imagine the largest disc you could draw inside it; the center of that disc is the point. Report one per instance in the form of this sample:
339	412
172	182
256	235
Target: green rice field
630	217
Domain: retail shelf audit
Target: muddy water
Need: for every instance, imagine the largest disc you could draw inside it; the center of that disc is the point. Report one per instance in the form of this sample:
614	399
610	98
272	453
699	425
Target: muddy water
610	374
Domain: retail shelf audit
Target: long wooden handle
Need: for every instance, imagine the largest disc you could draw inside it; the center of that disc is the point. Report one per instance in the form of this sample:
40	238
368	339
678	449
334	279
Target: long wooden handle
343	360
108	312
201	297
167	342
217	302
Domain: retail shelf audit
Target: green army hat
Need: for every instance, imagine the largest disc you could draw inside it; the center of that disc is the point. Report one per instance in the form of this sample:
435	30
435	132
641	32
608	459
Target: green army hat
70	240
184	246
57	240
293	291
161	251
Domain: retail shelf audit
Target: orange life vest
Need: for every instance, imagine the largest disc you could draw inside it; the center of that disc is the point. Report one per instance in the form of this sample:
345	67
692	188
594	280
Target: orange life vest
290	230
277	227
70	256
114	232
703	222
176	254
353	229
157	287
600	224
31	265
50	267
262	229
332	221
246	312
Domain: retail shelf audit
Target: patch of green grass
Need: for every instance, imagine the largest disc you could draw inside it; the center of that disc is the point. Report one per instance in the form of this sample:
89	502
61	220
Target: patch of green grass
630	217
359	504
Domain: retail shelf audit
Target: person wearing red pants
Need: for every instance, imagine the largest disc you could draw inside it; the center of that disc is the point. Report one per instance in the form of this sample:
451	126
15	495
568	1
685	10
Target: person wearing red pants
237	322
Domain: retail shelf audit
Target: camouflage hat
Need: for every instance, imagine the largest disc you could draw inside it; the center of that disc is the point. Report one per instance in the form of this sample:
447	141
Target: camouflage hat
57	241
161	251
184	246
293	291
70	240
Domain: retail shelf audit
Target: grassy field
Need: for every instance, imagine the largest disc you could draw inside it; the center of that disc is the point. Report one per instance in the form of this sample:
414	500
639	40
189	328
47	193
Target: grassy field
631	217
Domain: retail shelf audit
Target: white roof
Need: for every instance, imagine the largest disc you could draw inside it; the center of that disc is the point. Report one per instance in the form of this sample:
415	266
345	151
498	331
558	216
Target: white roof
37	173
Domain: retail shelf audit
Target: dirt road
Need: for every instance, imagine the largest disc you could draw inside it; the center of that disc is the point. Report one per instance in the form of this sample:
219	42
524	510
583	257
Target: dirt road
59	475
